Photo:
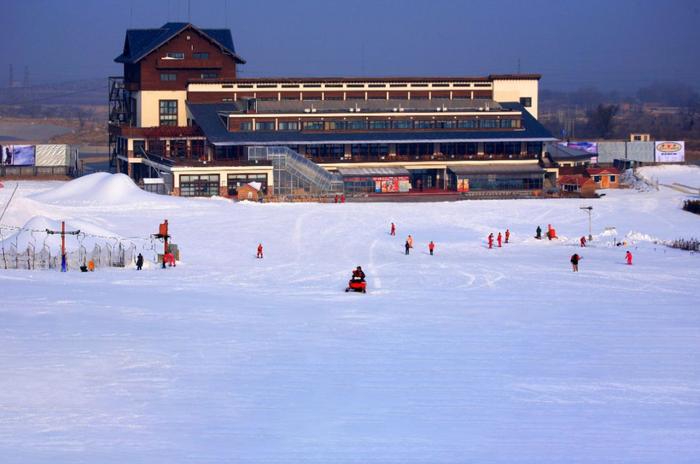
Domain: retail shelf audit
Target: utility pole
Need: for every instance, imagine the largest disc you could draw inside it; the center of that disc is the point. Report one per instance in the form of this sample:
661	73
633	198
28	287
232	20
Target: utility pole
64	265
589	209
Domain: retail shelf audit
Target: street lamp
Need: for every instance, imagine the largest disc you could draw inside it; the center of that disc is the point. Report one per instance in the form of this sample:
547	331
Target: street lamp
589	209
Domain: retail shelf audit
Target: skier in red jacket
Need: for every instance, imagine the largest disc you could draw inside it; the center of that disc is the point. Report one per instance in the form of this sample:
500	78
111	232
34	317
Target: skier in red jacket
393	230
490	239
583	242
260	251
431	247
499	238
628	257
507	235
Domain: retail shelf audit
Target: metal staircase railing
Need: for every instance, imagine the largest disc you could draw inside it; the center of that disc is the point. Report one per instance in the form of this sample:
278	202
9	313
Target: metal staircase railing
295	173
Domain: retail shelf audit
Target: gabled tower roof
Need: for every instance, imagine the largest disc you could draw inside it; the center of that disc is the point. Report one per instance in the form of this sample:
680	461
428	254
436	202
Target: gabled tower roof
140	42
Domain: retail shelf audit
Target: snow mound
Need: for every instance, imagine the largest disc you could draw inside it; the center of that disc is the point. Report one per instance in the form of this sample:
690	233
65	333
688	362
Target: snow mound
101	188
33	234
683	174
635	237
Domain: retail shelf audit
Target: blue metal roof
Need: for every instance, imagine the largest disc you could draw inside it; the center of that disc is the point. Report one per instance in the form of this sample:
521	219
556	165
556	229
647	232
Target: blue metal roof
210	118
141	42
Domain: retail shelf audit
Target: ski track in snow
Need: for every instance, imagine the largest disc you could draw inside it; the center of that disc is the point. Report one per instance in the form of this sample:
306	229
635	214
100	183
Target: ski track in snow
471	355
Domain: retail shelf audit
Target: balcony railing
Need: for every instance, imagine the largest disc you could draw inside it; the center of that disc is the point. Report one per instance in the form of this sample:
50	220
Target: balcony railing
156	132
414	158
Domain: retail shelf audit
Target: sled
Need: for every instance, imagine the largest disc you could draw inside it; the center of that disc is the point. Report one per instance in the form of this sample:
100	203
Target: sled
357	286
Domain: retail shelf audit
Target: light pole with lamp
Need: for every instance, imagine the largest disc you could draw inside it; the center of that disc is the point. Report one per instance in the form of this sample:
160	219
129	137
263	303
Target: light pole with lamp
589	209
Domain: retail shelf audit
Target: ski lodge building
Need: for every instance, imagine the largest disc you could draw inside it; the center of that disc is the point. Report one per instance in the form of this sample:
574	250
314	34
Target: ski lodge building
180	116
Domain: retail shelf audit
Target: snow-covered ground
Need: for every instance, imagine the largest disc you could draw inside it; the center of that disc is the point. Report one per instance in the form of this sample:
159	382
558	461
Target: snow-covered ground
471	355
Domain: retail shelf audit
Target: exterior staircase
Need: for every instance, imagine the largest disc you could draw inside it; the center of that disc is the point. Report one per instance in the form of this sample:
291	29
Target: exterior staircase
294	173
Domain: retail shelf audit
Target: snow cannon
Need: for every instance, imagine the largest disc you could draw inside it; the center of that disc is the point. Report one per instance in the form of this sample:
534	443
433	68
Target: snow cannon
357	286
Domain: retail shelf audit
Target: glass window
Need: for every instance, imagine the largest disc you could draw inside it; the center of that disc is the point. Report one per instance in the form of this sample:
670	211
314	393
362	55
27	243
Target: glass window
451	124
596	178
209	75
175	55
379	124
199	186
357	124
139	146
313	125
402	124
168	112
534	148
200	56
467	124
512	148
526	101
335	125
265	125
168	76
493	148
510	123
246	126
289	125
423	124
612	178
488	123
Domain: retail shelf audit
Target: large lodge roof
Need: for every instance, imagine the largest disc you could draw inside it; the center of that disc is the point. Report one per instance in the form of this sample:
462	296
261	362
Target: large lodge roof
355	79
140	42
210	118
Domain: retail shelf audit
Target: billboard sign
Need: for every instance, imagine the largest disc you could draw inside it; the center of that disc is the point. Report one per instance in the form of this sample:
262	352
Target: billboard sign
669	152
18	155
588	147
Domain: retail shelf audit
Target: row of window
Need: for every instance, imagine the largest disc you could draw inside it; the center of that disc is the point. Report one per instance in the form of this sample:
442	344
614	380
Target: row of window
181	55
379	150
208	185
173	76
382	124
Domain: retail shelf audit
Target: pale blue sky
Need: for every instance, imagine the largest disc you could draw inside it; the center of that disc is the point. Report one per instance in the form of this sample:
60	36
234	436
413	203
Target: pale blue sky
613	44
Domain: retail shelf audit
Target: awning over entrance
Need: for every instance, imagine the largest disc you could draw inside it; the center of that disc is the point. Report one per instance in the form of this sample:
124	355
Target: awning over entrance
503	169
374	172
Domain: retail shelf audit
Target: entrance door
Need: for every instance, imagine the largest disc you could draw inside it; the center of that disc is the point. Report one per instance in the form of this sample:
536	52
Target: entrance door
605	182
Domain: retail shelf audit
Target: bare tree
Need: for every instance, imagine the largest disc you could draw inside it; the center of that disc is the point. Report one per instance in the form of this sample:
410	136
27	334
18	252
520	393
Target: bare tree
601	120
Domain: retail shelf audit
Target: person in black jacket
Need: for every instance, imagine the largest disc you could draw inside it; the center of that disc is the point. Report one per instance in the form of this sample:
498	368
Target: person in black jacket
575	258
139	262
358	274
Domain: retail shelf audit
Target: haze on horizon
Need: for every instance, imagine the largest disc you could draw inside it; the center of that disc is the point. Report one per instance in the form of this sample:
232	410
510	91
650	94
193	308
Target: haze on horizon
620	45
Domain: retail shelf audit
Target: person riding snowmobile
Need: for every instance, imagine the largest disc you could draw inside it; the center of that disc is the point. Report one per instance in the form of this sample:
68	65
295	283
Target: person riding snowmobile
358	274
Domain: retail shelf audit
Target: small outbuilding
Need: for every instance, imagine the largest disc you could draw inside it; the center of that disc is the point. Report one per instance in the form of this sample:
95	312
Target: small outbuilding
251	191
605	178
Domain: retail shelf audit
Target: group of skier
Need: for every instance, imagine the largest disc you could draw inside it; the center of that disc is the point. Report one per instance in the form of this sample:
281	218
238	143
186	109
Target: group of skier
358	283
499	239
408	245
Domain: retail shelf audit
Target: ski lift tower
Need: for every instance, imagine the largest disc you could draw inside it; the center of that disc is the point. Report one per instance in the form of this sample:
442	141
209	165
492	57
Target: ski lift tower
163	234
63	232
589	209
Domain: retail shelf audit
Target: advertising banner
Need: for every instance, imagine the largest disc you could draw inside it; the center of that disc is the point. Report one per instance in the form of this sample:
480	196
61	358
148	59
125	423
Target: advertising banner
18	155
588	147
391	184
463	185
669	152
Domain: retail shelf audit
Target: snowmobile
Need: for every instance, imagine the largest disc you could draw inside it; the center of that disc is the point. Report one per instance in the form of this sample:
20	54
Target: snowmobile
357	285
